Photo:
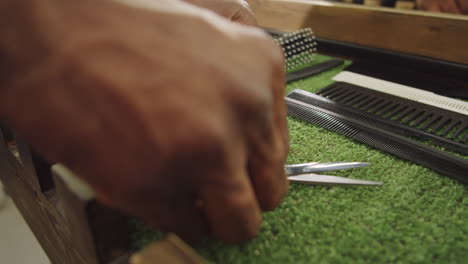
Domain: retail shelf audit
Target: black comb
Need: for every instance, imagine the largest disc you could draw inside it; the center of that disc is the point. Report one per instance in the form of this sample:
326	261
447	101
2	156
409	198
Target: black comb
313	70
437	160
375	120
445	124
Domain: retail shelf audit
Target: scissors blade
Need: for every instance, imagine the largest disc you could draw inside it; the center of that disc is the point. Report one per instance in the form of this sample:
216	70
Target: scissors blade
326	179
303	168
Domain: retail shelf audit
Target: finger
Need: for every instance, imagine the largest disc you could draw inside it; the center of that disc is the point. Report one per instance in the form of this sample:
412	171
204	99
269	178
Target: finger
269	146
183	217
463	4
266	170
244	16
450	6
187	221
279	105
429	5
230	205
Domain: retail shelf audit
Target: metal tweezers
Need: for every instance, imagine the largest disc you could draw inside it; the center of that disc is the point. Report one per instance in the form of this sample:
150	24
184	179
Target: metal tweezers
305	173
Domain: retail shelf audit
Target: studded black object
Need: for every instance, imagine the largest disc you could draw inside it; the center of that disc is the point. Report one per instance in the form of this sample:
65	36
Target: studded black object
299	48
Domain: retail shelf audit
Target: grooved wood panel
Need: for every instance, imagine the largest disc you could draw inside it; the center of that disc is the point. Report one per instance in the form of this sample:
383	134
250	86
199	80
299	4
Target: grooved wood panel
442	36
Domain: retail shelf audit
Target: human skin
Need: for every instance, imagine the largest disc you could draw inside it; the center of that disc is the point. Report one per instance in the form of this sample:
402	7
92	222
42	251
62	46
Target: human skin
170	112
234	10
448	6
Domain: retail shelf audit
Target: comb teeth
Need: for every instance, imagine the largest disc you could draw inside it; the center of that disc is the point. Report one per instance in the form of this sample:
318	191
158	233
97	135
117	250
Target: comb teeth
437	160
373	120
299	48
440	122
403	91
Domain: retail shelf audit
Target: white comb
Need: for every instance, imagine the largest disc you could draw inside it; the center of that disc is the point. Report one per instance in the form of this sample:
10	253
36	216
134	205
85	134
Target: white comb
403	91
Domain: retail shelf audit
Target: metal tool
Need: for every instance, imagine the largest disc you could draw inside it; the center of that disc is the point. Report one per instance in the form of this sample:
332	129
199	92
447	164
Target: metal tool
303	173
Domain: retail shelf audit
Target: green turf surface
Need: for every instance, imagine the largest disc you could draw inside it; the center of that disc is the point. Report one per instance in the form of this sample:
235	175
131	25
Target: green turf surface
418	216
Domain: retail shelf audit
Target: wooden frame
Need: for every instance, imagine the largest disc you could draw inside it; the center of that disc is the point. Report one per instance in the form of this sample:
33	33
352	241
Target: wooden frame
70	230
442	36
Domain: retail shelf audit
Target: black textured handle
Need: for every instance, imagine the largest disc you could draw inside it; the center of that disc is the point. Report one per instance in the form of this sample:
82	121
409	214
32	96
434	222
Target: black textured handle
313	70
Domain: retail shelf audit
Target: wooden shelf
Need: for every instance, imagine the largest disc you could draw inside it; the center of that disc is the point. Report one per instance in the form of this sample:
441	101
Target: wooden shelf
435	35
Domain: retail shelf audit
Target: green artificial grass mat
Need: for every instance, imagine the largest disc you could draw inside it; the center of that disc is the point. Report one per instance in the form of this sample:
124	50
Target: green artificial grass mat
418	216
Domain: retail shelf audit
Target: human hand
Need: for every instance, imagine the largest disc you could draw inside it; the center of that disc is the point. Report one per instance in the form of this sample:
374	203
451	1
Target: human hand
171	113
448	6
234	10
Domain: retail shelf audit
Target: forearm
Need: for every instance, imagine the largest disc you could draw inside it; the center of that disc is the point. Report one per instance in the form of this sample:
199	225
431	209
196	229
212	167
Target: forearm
31	31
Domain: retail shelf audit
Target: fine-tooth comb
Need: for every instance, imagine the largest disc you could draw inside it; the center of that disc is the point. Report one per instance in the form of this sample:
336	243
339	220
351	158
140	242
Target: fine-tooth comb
375	120
445	124
403	91
437	160
299	48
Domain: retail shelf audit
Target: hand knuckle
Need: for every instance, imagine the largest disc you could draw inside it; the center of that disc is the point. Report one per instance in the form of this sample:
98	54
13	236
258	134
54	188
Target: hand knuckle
240	203
212	144
260	103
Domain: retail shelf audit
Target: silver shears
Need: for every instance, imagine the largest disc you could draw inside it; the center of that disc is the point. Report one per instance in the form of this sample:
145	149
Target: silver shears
305	173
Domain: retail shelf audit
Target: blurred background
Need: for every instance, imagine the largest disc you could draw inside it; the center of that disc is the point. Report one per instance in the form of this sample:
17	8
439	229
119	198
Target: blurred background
403	4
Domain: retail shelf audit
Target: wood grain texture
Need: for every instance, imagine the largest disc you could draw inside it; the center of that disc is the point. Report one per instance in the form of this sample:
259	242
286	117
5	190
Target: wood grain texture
69	230
63	237
441	36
